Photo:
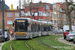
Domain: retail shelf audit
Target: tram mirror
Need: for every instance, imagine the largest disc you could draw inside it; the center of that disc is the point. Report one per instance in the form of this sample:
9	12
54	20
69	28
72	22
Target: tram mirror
28	24
13	24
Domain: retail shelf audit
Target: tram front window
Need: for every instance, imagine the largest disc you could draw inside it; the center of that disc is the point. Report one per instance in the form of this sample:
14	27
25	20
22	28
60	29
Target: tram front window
21	27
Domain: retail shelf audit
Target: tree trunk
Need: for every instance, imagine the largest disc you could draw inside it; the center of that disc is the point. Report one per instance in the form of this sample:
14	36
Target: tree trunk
68	14
70	26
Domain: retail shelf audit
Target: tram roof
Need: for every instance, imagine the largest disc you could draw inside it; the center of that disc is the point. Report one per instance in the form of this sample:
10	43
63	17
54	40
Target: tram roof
33	20
22	18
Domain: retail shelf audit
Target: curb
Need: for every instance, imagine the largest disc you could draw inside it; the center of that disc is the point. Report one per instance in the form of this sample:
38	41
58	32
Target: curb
5	42
2	45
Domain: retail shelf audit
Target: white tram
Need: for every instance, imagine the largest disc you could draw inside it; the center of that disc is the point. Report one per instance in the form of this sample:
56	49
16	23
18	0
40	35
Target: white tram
26	28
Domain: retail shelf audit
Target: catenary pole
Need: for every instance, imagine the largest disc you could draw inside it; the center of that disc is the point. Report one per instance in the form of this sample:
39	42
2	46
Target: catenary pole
20	7
3	4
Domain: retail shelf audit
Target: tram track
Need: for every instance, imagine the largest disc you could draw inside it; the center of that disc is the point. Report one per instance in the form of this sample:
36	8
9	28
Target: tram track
11	45
46	44
28	46
25	44
55	42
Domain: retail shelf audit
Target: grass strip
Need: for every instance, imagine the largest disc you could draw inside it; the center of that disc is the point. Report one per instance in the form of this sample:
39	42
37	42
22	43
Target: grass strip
59	43
54	43
19	45
6	46
36	45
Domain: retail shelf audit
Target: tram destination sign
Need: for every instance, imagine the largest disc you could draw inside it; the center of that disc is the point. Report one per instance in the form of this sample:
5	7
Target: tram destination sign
20	20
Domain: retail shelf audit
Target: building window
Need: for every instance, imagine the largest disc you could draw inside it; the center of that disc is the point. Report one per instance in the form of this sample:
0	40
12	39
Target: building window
65	16
9	14
65	22
48	20
47	7
47	13
58	15
54	9
22	13
41	13
61	21
54	21
9	22
58	21
61	15
52	14
16	14
28	13
58	9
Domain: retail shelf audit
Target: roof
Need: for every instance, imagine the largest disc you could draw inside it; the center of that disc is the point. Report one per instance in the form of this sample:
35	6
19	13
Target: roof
6	7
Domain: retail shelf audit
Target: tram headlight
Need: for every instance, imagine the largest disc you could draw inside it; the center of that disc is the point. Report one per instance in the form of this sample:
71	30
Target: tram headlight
26	33
14	33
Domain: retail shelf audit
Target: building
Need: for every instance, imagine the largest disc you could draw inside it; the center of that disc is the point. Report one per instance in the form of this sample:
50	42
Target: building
40	13
6	7
59	15
63	11
9	17
12	7
46	11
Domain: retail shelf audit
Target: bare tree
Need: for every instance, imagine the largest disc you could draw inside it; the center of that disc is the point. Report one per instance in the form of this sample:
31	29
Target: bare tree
69	9
30	4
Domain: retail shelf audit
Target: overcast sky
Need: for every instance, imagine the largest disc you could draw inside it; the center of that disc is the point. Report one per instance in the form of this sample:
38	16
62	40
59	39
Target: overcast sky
16	2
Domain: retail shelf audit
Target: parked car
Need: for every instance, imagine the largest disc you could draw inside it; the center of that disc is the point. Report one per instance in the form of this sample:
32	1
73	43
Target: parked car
74	39
1	36
70	36
65	33
4	36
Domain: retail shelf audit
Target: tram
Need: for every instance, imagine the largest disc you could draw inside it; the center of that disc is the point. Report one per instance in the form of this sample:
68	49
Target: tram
26	28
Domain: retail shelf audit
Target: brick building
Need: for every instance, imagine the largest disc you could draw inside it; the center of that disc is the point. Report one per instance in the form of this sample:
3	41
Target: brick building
44	11
9	17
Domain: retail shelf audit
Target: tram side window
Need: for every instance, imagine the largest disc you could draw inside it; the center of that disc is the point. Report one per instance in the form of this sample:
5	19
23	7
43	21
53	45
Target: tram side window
38	27
44	28
32	27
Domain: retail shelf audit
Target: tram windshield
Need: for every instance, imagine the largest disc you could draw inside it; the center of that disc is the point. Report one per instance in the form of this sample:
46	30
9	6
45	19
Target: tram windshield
21	27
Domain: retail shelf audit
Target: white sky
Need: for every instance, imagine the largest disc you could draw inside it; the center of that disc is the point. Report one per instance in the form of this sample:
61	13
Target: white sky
16	2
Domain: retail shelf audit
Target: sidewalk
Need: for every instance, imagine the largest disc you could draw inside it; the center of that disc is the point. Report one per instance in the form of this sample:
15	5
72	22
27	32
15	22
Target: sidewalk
11	38
61	39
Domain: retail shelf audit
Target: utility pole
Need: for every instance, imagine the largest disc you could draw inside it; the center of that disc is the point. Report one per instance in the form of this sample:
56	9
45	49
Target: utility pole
3	4
20	7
